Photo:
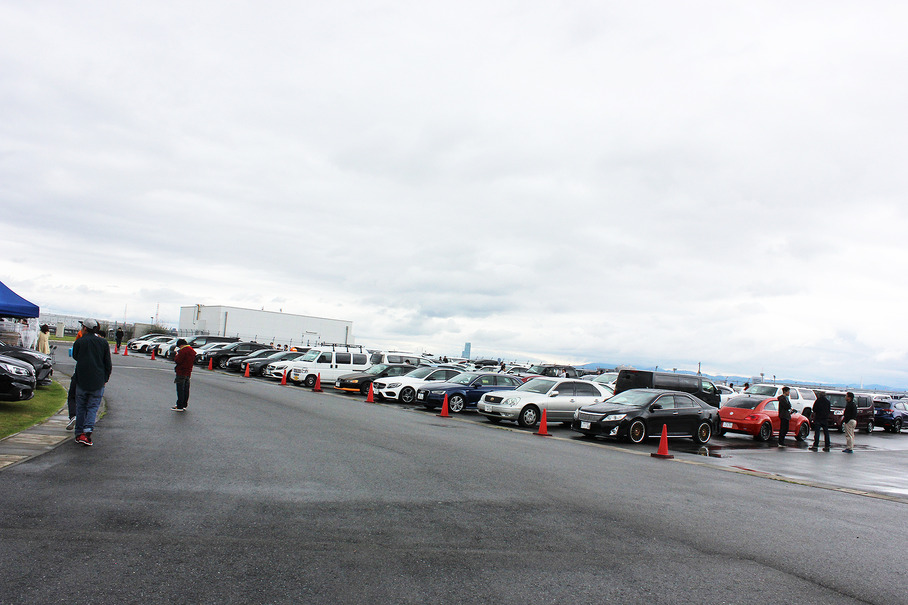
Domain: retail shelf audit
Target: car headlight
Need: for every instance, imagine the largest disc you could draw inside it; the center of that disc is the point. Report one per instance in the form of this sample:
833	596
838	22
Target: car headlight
511	401
614	417
576	413
437	392
393	385
838	413
353	381
14	369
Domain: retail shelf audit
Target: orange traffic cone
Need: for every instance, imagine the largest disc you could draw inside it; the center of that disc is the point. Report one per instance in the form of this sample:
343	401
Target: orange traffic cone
125	351
444	408
210	364
370	398
284	378
543	426
152	354
246	373
663	445
318	384
116	350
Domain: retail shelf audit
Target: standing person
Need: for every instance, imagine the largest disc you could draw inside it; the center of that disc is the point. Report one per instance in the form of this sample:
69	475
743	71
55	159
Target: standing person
821	409
850	422
119	337
183	360
784	415
93	367
43	345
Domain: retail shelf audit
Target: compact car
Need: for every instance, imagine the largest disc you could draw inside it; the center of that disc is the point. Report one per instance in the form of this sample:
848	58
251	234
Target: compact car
403	388
891	414
758	415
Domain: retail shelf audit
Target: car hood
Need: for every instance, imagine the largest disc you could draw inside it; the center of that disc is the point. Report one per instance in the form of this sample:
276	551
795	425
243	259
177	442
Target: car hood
444	386
610	408
17	362
357	376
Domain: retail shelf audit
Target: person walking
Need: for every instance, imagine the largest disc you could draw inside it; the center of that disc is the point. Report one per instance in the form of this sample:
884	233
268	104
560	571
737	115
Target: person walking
184	361
119	337
850	422
784	415
821	409
93	368
43	345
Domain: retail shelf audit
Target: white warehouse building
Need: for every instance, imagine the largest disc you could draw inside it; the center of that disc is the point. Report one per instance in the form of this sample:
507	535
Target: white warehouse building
264	326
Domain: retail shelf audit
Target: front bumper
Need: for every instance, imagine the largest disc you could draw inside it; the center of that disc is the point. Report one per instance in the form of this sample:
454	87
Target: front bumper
492	410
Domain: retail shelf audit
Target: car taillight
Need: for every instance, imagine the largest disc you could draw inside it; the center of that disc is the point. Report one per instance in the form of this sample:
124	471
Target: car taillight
751	417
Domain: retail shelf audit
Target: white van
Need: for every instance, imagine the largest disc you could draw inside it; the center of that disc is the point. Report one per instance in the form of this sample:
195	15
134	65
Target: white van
399	357
329	362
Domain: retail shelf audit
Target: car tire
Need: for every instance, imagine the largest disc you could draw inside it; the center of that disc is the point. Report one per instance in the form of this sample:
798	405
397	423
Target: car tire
456	404
704	433
720	431
222	363
528	417
636	432
309	381
803	431
407	395
897	426
869	426
765	432
364	390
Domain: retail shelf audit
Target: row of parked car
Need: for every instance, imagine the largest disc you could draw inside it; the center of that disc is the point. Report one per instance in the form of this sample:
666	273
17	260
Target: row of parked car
630	404
21	371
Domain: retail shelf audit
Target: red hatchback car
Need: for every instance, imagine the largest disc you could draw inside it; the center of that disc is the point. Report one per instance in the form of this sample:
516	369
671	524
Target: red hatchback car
759	416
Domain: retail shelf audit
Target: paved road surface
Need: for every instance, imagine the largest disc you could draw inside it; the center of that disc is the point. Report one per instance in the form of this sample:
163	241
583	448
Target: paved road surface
268	494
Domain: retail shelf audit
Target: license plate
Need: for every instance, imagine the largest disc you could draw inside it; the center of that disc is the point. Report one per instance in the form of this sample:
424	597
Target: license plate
421	396
486	408
337	384
584	425
728	425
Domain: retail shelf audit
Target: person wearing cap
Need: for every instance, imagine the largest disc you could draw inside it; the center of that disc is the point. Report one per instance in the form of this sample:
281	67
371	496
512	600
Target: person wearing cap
184	360
93	368
821	409
850	422
784	415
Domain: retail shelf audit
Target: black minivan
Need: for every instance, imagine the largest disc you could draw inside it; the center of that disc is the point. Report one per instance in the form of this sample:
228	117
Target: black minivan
644	379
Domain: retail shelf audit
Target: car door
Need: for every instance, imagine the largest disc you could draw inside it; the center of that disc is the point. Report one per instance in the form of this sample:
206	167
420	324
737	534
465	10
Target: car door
479	387
687	414
771	409
663	416
560	406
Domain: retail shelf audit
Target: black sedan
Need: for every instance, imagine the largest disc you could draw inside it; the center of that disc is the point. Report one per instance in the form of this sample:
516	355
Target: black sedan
235	364
219	357
360	381
42	364
17	379
257	364
640	413
464	390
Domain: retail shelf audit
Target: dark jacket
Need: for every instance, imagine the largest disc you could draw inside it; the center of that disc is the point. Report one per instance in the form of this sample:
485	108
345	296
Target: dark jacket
851	411
93	367
784	407
821	408
185	358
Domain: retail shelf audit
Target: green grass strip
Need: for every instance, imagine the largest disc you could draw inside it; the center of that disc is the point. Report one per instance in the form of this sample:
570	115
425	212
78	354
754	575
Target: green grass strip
16	416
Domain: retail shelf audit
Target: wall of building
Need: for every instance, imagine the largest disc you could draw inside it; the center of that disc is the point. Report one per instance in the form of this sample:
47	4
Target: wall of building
263	326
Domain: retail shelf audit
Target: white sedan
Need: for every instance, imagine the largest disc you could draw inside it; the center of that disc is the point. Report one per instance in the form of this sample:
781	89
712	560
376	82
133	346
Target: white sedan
558	397
403	388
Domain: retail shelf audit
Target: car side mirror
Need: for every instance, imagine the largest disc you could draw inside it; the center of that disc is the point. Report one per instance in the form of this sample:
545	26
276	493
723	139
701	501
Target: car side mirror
655	406
553	394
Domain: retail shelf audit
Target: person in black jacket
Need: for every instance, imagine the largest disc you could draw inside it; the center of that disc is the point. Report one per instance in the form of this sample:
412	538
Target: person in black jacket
821	409
850	422
784	415
93	367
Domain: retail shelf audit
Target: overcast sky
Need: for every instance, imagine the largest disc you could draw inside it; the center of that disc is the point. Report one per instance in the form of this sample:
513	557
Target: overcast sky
652	183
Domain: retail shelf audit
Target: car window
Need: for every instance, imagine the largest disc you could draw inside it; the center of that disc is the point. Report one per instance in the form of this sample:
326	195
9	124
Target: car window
707	386
807	395
772	406
687	383
508	381
324	358
399	371
359	359
662	382
666	401
487	381
565	389
793	394
761	389
449	374
344	358
682	402
585	389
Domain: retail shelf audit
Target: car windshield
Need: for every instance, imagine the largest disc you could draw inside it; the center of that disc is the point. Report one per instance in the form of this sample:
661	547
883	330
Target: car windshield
465	378
537	385
312	355
376	369
883	403
761	389
836	400
540	370
606	377
633	398
421	372
261	353
743	403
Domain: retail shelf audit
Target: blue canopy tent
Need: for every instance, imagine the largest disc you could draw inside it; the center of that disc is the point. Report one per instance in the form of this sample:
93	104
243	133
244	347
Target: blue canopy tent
13	305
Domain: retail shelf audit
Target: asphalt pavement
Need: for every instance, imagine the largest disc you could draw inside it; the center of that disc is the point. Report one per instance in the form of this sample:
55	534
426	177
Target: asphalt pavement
270	494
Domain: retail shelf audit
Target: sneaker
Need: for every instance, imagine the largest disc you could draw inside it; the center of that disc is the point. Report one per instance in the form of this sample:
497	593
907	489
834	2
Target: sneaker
178	409
813	448
825	449
72	423
83	439
847	451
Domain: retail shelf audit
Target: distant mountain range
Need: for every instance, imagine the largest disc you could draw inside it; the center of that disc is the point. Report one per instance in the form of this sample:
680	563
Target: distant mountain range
739	380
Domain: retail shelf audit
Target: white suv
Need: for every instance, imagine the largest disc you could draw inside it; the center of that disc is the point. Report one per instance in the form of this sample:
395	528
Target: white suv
801	398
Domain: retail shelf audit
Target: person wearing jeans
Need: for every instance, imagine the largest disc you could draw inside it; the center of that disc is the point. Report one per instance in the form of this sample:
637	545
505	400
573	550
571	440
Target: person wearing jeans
821	408
93	367
184	361
850	422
